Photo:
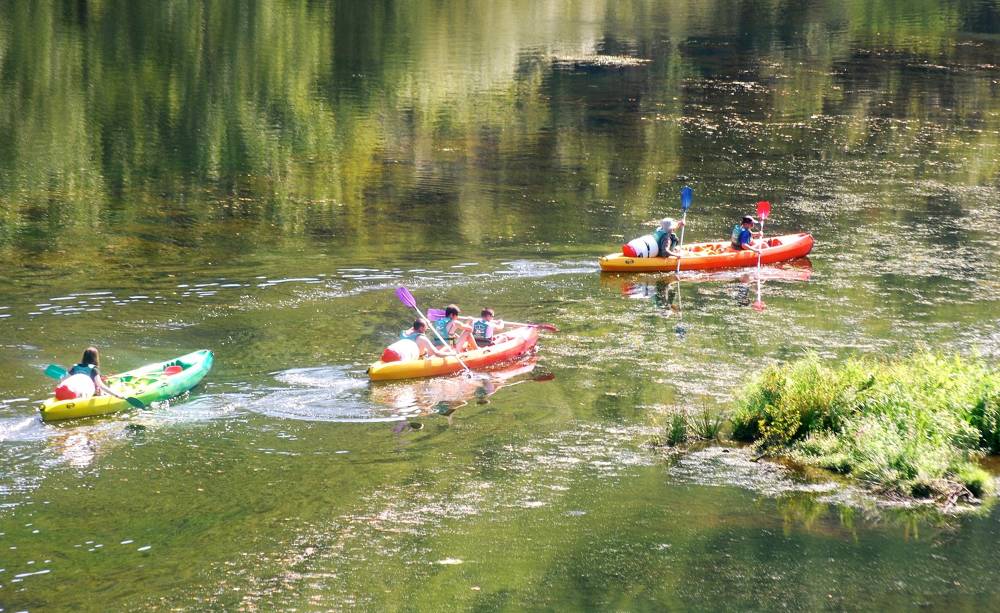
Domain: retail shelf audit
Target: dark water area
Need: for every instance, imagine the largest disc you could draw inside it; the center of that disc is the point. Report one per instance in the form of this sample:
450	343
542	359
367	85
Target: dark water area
257	178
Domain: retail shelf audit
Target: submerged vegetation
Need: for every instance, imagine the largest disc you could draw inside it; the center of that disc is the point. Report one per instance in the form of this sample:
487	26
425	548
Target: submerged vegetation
911	428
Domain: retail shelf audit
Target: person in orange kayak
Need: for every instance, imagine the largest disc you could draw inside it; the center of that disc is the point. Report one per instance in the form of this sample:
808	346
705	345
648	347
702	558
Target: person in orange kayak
418	336
454	332
743	235
666	238
83	380
485	327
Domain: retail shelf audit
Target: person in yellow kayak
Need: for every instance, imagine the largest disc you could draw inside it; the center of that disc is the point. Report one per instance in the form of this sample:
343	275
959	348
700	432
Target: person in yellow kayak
453	331
418	335
484	328
83	380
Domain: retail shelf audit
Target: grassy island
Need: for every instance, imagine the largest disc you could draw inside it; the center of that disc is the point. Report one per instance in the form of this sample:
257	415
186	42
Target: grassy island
916	427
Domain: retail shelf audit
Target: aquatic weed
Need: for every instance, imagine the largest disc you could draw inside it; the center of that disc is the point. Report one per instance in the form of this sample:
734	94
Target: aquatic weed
707	424
914	427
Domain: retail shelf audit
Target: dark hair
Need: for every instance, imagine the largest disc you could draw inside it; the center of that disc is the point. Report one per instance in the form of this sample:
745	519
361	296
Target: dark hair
91	356
418	325
747	219
486	312
450	310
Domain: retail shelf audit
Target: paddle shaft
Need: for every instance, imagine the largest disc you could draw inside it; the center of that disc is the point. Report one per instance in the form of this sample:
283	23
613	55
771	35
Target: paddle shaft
548	327
681	245
760	253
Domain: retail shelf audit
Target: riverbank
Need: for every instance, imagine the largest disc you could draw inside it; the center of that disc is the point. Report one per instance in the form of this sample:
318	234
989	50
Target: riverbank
913	428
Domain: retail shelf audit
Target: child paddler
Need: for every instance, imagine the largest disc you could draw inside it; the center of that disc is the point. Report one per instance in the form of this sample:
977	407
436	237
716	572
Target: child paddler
666	238
454	332
418	336
83	380
484	328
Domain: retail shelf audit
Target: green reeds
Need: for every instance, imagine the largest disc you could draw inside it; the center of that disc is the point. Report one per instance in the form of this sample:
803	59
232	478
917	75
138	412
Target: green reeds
914	427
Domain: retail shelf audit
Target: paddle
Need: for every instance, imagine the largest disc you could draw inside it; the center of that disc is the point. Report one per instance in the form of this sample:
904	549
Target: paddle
407	298
763	211
439	313
686	194
57	372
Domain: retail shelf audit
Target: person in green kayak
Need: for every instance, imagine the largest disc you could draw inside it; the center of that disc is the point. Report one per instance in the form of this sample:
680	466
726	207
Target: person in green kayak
743	235
418	336
666	238
452	331
83	380
484	328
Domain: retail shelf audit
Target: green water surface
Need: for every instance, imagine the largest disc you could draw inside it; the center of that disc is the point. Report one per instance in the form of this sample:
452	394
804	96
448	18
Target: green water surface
257	178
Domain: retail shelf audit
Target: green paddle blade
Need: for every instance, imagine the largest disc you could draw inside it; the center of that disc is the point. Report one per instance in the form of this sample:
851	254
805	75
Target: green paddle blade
55	371
135	402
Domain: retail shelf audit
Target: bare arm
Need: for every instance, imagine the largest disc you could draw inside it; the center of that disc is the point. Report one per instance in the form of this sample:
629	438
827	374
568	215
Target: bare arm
99	382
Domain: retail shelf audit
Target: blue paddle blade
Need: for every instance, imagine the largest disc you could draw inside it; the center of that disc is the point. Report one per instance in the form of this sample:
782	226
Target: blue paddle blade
55	371
433	314
686	195
406	297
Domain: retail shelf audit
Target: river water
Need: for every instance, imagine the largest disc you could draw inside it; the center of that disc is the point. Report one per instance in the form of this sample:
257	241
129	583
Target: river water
257	179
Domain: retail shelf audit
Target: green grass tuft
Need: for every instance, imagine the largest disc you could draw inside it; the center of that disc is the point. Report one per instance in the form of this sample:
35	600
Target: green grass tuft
914	427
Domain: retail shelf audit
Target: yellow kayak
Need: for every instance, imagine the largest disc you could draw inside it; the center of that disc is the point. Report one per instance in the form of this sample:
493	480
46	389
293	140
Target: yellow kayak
151	383
508	346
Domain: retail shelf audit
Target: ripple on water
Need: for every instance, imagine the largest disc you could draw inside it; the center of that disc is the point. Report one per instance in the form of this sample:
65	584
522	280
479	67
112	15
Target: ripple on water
326	393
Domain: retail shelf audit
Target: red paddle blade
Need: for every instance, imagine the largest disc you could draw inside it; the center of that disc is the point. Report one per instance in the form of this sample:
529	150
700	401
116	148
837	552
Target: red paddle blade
763	209
406	297
547	327
758	306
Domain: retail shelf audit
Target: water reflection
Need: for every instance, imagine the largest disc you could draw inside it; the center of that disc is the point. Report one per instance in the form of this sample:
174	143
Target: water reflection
665	290
445	395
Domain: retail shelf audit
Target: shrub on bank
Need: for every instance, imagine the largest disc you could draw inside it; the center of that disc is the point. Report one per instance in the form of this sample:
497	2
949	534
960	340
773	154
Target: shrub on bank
914	427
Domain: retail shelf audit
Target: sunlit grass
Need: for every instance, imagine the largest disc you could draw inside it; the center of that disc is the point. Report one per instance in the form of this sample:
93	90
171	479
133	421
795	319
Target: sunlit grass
914	427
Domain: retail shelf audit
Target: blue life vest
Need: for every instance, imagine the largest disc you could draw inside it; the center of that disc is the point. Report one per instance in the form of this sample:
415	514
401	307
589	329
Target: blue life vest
737	236
441	325
84	369
410	337
482	330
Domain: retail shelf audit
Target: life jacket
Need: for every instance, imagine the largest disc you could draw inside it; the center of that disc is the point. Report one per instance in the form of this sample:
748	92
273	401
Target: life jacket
735	237
84	369
482	330
413	336
441	325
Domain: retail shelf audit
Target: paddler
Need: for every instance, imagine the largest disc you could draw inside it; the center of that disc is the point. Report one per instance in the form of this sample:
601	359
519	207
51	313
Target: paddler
485	327
742	236
83	380
454	332
418	336
666	238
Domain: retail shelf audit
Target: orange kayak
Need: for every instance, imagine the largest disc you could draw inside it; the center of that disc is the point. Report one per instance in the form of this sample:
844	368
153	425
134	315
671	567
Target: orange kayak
720	254
507	346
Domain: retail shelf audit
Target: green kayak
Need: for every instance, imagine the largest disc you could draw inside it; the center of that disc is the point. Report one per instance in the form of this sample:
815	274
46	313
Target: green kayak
150	383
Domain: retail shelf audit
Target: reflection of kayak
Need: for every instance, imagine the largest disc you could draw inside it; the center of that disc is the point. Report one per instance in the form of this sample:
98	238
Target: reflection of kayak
701	256
427	395
148	383
645	284
508	346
